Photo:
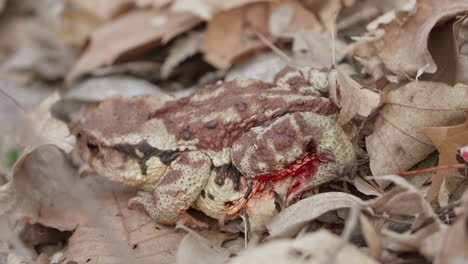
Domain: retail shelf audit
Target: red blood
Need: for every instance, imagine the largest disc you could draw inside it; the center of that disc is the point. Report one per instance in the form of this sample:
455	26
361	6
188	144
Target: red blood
301	171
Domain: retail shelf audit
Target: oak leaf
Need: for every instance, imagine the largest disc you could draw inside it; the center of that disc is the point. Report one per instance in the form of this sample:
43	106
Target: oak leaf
395	144
404	46
447	140
134	32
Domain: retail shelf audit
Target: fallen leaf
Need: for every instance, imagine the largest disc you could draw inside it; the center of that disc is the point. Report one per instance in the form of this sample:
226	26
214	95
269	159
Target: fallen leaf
311	248
206	9
403	48
108	232
455	241
423	229
194	248
372	237
41	128
395	144
460	34
289	18
350	97
152	3
37	54
134	32
249	30
98	89
447	140
294	217
183	48
222	50
315	49
262	66
366	188
104	9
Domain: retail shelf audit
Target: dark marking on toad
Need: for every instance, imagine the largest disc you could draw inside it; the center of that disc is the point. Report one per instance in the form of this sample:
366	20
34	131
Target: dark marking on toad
129	150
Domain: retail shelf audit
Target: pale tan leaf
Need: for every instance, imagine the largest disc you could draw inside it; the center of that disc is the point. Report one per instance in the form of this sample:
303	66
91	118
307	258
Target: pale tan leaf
182	49
372	237
152	3
103	9
221	49
313	248
447	140
194	248
460	34
403	48
41	128
395	144
248	28
134	32
289	18
297	215
206	9
455	240
350	97
366	188
315	49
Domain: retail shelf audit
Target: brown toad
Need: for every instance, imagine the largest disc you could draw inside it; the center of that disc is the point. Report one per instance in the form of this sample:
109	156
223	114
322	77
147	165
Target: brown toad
224	148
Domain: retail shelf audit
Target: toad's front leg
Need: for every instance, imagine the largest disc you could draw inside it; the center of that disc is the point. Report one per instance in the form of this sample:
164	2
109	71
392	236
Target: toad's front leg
167	200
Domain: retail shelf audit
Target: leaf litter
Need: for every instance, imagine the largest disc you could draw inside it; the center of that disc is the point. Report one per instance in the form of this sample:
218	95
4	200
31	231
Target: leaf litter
397	70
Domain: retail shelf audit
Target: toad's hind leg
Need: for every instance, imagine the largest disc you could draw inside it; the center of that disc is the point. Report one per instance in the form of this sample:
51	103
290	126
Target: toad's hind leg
270	148
167	200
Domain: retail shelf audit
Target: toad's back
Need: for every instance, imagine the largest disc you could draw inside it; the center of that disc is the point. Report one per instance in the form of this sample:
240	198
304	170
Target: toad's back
217	114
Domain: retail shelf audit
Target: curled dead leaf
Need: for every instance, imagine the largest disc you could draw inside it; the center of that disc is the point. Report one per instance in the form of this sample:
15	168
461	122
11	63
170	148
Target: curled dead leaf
134	32
395	144
294	217
311	248
447	140
351	97
403	48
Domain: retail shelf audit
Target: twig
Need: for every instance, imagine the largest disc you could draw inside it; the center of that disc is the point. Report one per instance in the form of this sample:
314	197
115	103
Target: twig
272	46
443	167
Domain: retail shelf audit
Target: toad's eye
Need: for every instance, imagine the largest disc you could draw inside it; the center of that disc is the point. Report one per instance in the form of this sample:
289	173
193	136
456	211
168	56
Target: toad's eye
92	146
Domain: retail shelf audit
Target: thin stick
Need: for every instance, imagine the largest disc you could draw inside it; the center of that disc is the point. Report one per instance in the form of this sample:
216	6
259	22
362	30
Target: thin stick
271	45
443	167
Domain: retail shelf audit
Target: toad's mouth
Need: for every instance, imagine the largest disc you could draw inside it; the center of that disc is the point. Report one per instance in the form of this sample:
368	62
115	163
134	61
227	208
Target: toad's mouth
300	171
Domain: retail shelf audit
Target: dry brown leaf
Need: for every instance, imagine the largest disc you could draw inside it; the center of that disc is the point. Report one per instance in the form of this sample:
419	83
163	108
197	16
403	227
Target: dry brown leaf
372	237
350	97
395	144
245	25
315	49
366	188
194	248
41	128
447	140
134	32
221	49
113	233
262	66
289	18
103	9
152	3
291	219
206	9
311	248
426	240
109	232
183	48
403	48
423	233
455	241
460	34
